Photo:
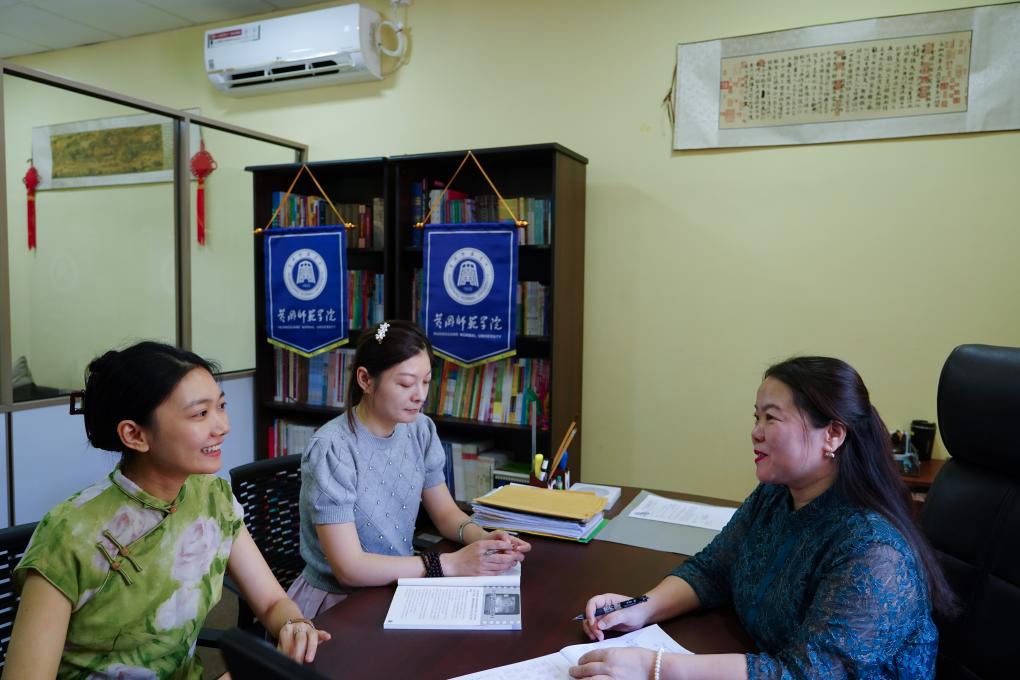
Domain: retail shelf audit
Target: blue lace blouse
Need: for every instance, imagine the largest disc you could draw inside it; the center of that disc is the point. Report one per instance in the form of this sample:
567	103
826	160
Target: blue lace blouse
828	591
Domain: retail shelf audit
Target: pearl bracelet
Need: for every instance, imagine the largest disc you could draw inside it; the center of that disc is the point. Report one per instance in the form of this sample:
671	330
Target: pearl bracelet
657	675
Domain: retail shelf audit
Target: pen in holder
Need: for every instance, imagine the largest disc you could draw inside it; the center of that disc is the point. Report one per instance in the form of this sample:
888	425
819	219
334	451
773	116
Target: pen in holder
560	479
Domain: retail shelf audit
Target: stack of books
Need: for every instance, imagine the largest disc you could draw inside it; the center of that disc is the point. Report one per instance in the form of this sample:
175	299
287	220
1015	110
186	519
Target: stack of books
573	515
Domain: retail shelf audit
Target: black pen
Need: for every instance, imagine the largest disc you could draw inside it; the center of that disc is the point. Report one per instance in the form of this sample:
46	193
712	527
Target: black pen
609	608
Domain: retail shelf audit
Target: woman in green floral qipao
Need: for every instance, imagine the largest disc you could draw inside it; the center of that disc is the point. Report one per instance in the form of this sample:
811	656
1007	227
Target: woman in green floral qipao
118	578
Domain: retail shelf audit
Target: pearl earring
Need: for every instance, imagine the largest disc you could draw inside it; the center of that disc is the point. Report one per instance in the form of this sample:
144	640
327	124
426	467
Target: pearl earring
830	454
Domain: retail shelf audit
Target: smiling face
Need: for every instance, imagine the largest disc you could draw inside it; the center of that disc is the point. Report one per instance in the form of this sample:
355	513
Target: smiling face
788	450
187	429
396	395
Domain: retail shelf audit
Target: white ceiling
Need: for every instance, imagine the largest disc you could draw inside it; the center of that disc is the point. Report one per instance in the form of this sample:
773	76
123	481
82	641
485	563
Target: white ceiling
30	26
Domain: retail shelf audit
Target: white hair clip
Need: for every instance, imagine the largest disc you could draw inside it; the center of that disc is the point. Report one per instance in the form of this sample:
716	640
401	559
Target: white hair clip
381	333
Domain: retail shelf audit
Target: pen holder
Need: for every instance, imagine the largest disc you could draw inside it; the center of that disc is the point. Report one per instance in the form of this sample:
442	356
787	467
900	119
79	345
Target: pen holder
558	477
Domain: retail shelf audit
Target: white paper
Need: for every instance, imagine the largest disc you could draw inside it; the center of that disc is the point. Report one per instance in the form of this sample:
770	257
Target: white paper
610	493
556	666
436	606
649	637
662	509
458	602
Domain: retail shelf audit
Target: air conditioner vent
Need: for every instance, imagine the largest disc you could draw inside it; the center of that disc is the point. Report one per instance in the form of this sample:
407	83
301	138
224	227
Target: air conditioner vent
265	56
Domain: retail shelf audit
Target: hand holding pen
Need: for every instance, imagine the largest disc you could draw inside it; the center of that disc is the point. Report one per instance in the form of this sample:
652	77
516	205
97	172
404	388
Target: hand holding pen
611	611
613	606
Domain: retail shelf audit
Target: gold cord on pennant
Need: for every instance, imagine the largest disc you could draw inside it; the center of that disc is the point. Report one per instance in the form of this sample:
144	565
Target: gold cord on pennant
439	200
304	168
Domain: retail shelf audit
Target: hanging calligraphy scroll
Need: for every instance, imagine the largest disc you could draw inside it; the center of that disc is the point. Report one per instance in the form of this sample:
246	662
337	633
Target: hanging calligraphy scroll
918	74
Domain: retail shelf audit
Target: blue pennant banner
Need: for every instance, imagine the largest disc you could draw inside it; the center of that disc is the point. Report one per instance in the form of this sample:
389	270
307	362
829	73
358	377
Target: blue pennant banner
471	291
306	289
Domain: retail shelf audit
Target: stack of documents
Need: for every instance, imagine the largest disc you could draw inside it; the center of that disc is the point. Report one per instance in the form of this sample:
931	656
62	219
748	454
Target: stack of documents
573	515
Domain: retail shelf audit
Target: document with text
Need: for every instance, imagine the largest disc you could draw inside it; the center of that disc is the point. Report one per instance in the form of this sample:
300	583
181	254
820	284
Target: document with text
690	514
556	666
458	602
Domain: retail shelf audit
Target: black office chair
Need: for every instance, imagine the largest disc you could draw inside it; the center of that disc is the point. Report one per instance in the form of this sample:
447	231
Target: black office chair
972	512
269	490
13	542
247	656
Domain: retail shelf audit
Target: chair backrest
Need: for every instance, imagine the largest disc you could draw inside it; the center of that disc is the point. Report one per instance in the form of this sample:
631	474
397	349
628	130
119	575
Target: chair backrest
247	656
269	490
972	512
13	543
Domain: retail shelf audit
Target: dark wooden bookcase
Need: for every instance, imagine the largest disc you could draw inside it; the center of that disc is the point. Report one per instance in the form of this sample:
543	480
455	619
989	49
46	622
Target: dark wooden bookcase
539	170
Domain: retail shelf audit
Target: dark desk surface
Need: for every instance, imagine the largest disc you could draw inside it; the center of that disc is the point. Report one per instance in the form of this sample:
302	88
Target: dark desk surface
928	470
558	578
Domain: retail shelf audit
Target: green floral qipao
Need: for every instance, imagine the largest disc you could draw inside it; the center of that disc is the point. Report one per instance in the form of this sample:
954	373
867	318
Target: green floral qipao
141	574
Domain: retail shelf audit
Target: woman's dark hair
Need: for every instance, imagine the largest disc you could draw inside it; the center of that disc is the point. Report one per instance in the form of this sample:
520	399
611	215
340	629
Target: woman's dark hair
129	384
380	348
829	390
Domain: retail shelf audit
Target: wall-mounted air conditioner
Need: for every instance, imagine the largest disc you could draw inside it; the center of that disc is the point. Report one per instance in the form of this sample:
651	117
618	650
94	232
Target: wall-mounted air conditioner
324	47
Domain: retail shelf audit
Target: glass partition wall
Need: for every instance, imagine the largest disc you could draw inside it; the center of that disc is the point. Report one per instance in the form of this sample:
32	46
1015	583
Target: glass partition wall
116	256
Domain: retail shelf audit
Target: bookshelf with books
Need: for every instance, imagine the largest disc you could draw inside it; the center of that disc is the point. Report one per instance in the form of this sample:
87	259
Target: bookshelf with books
543	184
482	413
295	394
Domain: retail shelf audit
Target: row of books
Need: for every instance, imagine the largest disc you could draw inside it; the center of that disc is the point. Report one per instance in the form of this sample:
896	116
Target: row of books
457	207
532	305
319	381
490	393
287	437
365	302
314	211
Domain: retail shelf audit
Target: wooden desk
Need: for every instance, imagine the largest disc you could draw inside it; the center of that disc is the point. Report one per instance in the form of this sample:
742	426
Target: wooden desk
920	484
558	578
928	471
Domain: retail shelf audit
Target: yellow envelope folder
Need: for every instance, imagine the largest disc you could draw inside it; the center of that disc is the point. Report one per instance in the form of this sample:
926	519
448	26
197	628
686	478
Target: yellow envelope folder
576	505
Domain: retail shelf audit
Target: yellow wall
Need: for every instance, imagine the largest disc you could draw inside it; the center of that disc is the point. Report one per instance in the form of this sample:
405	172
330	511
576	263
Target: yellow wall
701	267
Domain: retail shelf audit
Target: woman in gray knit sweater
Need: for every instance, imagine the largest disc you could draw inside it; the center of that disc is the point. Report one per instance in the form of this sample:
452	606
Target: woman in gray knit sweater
364	473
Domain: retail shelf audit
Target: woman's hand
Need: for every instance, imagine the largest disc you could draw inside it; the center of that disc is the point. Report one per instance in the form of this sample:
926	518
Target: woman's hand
625	620
299	639
618	663
487	557
516	544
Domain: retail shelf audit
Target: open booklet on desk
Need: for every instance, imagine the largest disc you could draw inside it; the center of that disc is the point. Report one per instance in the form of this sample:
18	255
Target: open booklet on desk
458	602
556	666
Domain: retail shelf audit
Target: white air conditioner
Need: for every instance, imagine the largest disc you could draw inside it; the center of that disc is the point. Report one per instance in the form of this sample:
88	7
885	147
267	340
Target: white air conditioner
324	47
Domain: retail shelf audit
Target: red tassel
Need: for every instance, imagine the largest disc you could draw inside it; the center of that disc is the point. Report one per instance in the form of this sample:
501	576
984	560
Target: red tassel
200	211
31	180
202	165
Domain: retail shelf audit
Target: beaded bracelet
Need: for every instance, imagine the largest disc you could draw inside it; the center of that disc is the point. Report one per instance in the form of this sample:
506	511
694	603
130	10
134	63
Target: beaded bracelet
657	675
433	567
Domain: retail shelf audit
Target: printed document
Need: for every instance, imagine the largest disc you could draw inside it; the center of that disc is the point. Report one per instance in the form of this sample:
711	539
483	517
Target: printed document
458	602
690	514
556	666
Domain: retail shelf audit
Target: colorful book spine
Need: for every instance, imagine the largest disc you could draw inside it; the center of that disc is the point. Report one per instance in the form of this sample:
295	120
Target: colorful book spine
492	392
319	381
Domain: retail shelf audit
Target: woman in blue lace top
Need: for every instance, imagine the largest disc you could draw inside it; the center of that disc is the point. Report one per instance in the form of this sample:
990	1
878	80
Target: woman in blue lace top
822	562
